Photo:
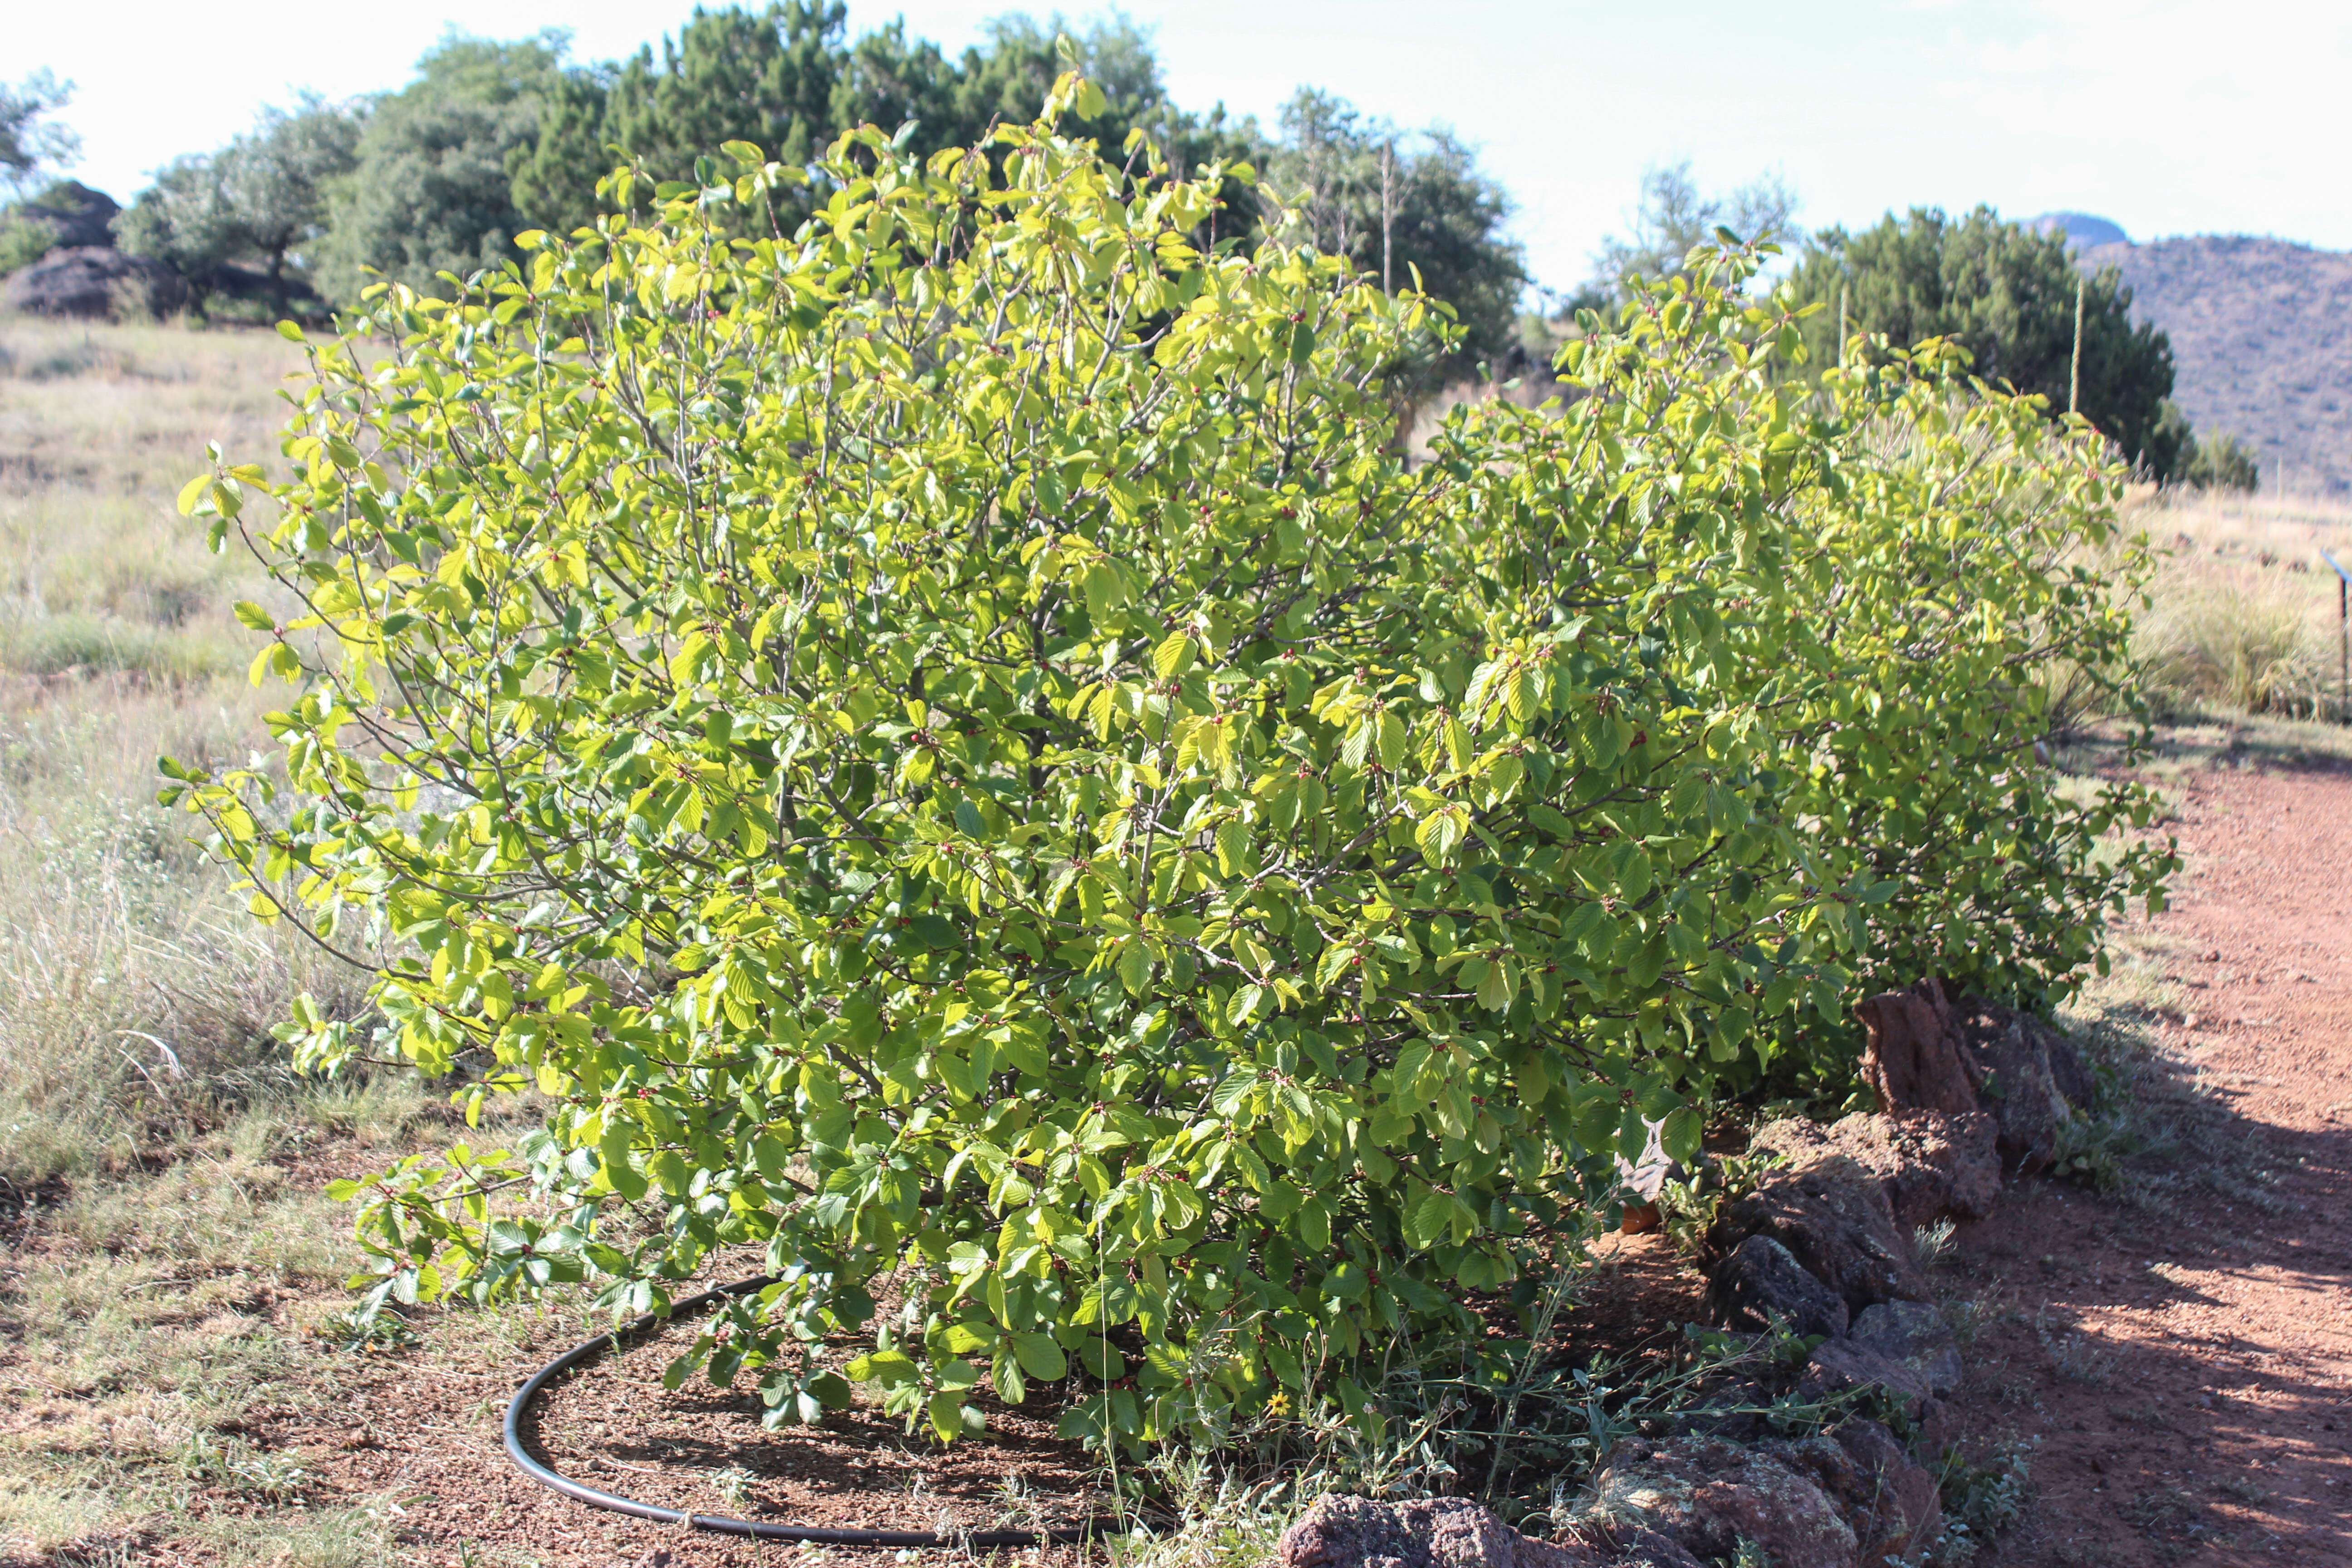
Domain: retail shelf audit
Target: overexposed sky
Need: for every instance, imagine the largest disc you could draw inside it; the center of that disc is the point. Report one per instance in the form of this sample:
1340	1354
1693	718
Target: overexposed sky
2167	116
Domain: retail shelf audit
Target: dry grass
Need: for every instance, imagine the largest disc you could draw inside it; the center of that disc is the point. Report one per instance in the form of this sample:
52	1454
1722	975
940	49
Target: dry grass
135	995
2244	613
164	1254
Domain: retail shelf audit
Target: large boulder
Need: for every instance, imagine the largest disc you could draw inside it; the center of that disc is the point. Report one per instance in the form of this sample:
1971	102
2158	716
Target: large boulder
2010	1055
1430	1532
1833	1215
94	283
1931	1163
1717	1498
1913	1059
77	215
1929	1052
1762	1283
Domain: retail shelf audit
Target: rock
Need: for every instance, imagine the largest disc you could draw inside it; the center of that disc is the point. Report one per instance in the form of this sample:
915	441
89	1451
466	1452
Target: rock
94	283
1431	1533
80	215
1839	1364
2009	1055
1761	1281
1931	1163
2071	1073
1915	1335
1889	1500
1626	1547
1833	1215
1913	1059
1716	1498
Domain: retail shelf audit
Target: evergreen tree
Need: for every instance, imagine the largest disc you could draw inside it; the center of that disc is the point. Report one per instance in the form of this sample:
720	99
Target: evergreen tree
430	192
2007	295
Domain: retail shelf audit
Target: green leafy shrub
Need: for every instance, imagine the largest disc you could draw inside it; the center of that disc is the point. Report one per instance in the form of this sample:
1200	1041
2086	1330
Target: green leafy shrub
953	746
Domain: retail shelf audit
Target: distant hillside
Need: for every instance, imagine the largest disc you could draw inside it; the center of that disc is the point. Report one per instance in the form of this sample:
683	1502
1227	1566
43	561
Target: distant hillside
2262	333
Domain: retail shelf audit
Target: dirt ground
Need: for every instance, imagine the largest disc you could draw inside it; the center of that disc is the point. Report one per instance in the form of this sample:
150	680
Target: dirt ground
2183	1350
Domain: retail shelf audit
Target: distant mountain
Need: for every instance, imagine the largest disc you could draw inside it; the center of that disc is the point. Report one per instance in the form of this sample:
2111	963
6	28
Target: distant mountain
2081	229
2261	337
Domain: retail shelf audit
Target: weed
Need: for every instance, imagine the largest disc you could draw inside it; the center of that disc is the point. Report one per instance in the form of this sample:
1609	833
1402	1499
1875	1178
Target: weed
731	1486
1966	1316
2076	1356
1690	1204
2164	1511
1980	1500
234	1464
1932	1244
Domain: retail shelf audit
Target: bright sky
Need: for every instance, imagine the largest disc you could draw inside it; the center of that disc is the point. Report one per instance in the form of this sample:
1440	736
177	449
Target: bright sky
2167	117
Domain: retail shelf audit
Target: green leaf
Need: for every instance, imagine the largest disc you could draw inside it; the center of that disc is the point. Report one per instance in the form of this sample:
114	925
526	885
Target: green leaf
1041	1357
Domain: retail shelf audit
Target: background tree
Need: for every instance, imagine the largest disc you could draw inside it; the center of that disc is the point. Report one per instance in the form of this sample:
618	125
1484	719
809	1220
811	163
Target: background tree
33	145
275	181
430	191
769	78
2007	295
1673	216
33	148
1395	203
789	80
183	219
263	196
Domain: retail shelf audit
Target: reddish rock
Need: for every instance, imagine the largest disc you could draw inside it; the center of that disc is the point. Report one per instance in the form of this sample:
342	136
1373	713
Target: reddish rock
1913	1059
1931	1163
1431	1532
1716	1498
1841	1364
1890	1501
1833	1215
1761	1283
1915	1336
2009	1053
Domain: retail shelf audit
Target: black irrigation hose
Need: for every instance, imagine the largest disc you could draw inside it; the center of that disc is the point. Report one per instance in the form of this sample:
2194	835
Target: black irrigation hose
518	1407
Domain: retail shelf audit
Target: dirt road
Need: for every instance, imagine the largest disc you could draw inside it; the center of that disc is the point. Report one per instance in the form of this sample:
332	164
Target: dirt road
2184	1349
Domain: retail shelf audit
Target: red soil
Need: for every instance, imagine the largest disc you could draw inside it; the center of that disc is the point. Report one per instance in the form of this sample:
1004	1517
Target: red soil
2184	1351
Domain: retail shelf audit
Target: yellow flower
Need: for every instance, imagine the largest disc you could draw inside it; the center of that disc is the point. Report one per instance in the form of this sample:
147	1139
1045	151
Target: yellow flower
1279	1405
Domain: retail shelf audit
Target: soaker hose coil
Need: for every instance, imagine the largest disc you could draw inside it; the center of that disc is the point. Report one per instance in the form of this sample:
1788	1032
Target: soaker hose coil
720	1525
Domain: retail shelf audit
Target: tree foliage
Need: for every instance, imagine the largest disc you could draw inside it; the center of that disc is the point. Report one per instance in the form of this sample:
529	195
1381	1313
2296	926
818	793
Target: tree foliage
265	196
2218	462
2007	295
430	192
790	80
1400	205
952	746
34	144
1673	218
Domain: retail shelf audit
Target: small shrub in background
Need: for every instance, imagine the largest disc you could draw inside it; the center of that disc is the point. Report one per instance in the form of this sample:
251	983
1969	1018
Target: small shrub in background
2224	644
952	747
2222	462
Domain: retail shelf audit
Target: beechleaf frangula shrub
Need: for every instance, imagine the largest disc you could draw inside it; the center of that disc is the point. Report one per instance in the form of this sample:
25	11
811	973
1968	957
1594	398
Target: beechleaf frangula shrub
953	746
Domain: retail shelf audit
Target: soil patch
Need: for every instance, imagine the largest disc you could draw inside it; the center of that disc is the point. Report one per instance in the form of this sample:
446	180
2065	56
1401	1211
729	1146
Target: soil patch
2184	1352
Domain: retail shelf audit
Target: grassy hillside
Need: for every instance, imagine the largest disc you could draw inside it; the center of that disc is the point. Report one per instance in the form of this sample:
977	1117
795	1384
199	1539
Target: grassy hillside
2261	333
